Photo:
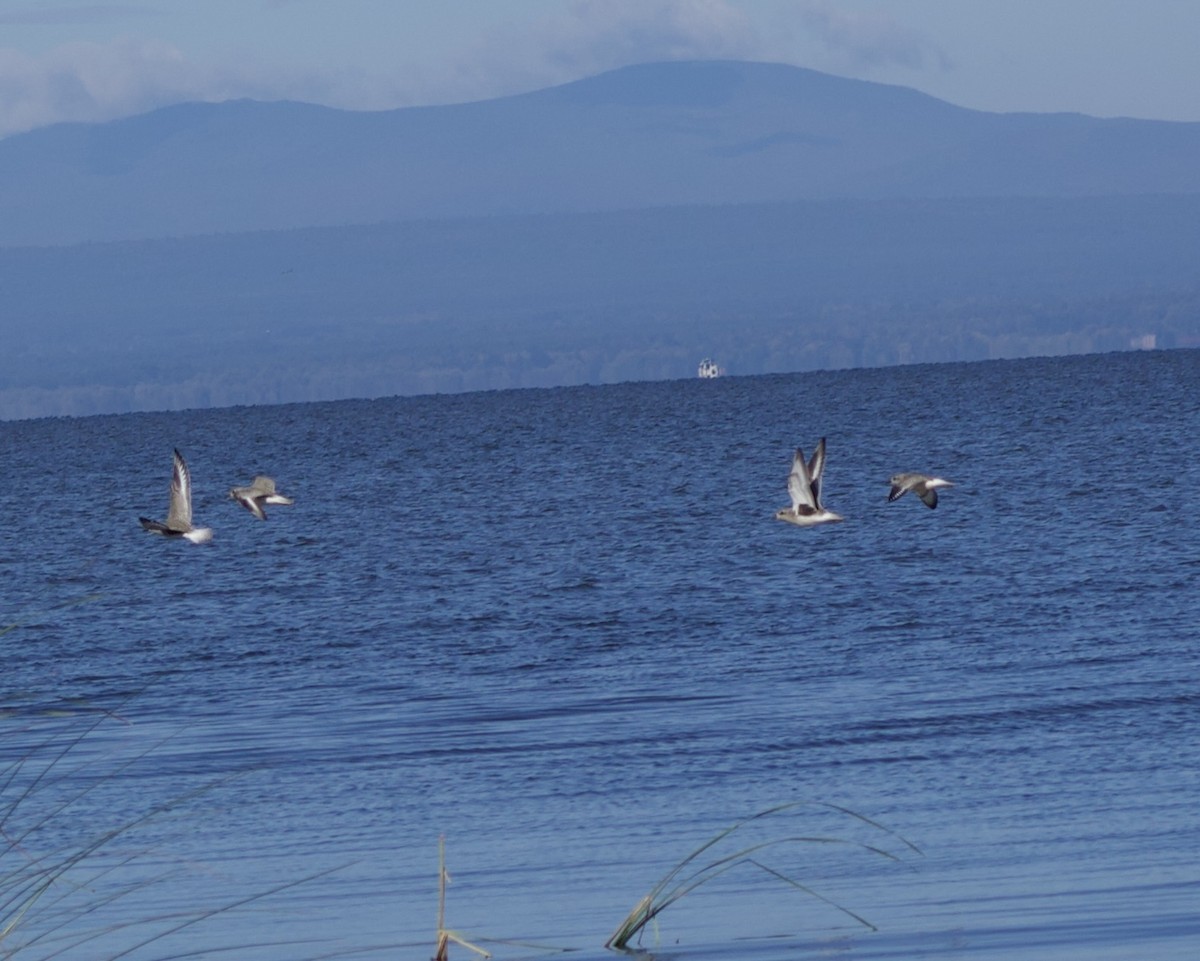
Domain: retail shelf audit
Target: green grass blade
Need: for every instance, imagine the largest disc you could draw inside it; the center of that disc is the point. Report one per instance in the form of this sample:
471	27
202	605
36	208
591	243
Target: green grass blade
679	881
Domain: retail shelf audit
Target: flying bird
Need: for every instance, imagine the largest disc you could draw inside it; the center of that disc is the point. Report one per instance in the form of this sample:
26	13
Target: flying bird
924	486
804	486
261	491
179	514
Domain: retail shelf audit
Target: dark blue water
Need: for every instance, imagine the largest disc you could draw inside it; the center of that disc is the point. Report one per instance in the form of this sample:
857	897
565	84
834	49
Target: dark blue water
562	629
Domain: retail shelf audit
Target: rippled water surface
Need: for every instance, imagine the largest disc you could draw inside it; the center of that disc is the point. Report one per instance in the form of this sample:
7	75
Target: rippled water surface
562	629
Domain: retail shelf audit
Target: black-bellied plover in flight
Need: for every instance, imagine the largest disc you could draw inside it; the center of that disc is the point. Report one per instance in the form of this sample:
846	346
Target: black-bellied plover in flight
179	515
261	491
804	486
923	485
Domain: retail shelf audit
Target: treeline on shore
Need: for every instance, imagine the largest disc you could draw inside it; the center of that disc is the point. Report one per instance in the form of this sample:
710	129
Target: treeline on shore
536	301
430	353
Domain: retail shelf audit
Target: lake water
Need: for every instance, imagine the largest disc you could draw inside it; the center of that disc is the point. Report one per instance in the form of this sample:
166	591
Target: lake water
562	629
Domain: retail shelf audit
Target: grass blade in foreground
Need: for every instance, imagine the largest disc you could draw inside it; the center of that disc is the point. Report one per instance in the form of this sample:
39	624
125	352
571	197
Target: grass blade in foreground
444	936
50	885
690	873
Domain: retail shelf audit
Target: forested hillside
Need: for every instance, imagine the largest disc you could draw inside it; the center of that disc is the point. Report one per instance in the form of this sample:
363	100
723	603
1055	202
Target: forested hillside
482	303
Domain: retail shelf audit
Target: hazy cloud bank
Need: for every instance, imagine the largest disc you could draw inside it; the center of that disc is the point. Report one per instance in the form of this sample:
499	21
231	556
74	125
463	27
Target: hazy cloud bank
870	38
89	81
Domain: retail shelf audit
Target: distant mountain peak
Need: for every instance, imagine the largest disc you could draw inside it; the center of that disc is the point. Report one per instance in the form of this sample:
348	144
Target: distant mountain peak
712	83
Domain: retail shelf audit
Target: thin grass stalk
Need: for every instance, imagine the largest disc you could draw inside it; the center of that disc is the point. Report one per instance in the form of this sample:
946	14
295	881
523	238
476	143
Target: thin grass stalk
442	946
181	921
222	909
671	887
31	882
15	769
53	921
44	878
444	935
650	906
41	776
811	892
84	599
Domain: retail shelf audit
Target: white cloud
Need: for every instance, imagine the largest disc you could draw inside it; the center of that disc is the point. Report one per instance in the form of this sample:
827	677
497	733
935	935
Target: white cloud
596	35
95	82
89	81
869	38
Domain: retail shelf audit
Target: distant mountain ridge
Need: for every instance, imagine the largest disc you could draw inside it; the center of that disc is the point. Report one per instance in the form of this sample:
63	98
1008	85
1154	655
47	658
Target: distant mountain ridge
653	135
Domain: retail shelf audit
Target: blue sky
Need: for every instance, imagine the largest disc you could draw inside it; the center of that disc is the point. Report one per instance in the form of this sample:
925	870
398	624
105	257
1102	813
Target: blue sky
81	60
